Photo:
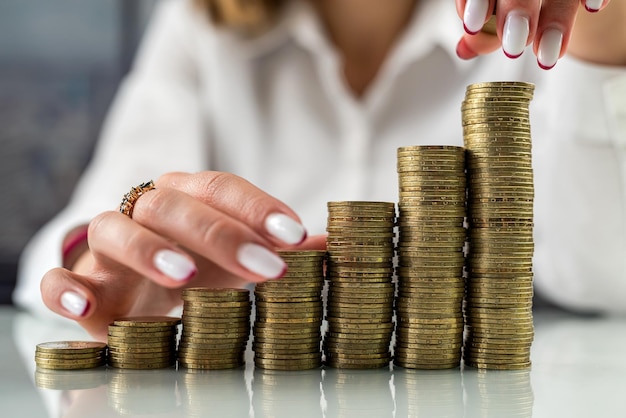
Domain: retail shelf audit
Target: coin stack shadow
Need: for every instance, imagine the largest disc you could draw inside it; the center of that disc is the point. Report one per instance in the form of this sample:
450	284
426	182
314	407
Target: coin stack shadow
431	237
143	342
289	313
216	328
360	246
70	355
498	309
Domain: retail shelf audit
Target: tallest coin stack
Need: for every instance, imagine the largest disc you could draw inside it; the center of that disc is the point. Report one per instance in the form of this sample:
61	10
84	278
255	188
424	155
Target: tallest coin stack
498	310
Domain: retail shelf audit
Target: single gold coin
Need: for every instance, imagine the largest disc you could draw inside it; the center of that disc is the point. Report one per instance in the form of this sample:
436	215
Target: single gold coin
77	347
147	321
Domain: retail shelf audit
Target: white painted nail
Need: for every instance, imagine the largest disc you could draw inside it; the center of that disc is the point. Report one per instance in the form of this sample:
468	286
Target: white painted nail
515	34
261	261
474	15
74	303
174	265
593	5
285	228
549	48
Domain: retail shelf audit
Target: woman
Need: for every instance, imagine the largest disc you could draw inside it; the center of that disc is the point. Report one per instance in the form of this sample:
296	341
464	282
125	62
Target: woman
291	104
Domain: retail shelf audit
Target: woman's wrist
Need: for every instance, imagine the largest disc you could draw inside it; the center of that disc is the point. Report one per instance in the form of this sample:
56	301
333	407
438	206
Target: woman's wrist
74	245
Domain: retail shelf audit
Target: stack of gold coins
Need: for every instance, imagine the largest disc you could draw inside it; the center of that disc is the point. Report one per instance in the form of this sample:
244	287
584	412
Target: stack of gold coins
216	328
498	311
360	247
289	313
70	355
431	238
143	342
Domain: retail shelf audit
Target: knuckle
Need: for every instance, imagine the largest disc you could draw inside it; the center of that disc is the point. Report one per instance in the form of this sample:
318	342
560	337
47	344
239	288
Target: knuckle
151	204
215	183
170	179
99	225
257	207
216	232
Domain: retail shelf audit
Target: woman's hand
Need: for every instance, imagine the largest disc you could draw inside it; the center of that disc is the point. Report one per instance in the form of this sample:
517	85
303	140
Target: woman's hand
207	229
549	26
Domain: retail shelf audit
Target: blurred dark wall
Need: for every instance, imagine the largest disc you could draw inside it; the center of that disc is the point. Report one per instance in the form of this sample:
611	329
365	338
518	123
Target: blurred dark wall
60	64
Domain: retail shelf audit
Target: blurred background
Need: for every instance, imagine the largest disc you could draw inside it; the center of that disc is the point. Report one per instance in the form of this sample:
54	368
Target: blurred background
60	65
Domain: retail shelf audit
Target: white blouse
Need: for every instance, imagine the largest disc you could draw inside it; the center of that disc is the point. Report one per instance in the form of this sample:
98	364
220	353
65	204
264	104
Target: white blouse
276	111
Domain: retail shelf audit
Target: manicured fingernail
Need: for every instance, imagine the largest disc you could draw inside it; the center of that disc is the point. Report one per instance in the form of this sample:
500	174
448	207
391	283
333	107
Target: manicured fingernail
174	265
593	5
474	15
285	228
74	303
515	34
261	261
549	48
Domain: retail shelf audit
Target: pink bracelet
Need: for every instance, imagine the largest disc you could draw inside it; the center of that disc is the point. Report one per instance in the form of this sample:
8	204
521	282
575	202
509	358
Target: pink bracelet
77	239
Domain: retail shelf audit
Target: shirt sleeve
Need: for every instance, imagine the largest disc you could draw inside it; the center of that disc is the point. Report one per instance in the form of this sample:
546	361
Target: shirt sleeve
580	167
154	126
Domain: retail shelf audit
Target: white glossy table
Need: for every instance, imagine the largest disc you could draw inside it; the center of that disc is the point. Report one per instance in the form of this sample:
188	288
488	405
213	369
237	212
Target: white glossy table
579	370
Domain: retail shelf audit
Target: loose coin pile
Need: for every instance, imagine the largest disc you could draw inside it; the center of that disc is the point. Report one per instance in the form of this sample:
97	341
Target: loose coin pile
289	313
431	238
70	355
498	311
143	342
360	246
216	328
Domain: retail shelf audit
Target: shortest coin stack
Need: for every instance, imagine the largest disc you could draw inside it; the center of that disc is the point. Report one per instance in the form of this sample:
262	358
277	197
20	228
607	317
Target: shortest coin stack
216	328
289	312
143	342
69	355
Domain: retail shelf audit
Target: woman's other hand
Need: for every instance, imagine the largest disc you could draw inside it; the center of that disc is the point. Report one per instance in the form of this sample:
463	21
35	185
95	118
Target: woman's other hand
552	26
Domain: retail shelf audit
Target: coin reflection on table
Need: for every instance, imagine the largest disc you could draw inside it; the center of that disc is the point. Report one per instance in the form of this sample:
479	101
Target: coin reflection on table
142	392
278	393
69	379
358	393
216	393
428	393
498	393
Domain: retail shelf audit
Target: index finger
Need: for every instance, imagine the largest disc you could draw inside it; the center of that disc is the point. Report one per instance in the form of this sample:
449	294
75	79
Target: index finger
241	200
